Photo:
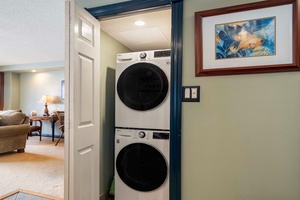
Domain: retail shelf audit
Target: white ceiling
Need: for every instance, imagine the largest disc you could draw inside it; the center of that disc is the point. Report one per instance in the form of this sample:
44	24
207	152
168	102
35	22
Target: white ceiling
95	3
156	34
32	33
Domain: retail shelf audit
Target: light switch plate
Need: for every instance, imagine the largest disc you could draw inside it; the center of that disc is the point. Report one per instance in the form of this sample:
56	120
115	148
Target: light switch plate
191	94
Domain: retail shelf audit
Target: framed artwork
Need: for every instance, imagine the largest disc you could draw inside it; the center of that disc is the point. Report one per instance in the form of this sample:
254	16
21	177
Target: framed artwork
62	89
251	38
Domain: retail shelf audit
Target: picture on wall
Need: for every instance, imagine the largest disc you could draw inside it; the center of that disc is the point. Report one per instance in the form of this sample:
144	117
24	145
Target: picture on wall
250	38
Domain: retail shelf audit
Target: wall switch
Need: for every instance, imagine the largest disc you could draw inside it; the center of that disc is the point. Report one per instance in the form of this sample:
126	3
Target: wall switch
187	93
191	94
194	93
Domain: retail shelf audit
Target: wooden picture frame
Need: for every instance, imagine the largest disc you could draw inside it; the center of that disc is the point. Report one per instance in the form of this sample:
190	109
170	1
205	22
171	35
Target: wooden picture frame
251	38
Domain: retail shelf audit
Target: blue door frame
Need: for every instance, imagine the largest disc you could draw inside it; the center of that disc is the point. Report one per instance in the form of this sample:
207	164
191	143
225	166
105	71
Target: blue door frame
176	75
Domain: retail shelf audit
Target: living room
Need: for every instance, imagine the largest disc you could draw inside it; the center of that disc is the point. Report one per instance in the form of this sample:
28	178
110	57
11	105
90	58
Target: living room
41	158
30	87
33	66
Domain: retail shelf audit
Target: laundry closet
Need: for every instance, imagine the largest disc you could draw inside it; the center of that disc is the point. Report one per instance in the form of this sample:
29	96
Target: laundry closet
135	81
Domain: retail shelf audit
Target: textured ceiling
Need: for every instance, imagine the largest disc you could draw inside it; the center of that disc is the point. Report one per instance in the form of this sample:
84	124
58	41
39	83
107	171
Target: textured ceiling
32	31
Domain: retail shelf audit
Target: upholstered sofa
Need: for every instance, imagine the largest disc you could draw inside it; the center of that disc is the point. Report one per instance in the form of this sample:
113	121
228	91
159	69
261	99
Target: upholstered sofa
14	127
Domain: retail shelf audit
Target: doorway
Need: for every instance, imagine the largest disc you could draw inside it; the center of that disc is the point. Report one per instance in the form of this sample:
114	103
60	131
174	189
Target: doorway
176	60
117	37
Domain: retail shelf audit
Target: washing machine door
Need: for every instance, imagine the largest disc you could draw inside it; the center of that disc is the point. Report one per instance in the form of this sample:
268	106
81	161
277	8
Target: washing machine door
142	86
141	167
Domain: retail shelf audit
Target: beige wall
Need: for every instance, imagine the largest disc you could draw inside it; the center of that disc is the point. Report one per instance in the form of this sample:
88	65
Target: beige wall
24	90
11	91
33	86
241	142
108	54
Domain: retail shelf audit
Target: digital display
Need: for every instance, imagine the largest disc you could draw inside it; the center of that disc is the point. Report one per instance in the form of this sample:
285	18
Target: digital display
162	136
158	54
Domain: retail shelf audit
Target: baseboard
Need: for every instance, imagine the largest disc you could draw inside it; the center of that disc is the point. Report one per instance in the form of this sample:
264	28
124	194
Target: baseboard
106	196
44	135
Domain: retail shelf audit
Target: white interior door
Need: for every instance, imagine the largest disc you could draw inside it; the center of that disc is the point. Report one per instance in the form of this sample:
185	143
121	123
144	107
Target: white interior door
83	104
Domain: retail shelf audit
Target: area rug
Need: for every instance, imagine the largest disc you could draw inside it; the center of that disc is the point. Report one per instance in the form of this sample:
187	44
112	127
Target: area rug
27	195
40	169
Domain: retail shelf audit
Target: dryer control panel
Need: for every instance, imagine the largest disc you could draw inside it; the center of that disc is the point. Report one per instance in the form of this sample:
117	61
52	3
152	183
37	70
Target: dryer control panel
143	56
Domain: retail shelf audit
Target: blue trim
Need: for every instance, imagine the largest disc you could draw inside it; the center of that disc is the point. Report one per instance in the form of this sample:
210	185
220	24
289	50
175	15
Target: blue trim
176	87
127	6
44	135
176	76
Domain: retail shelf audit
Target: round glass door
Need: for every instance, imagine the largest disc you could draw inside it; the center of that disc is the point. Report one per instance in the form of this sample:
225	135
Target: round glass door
142	86
141	167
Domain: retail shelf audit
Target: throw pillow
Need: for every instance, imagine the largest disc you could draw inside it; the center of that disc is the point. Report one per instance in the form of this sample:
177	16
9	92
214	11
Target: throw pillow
14	118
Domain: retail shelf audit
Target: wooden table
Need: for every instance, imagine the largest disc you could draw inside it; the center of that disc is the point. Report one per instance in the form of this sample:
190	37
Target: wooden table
52	120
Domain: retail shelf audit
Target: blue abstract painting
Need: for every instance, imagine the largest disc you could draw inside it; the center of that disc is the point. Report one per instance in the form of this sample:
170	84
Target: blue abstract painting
251	38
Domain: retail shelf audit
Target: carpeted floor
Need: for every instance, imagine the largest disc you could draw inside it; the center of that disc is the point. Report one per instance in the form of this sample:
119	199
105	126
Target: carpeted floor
40	169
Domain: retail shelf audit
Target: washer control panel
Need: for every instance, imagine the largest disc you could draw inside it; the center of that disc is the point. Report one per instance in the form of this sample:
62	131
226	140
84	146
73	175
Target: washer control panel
142	134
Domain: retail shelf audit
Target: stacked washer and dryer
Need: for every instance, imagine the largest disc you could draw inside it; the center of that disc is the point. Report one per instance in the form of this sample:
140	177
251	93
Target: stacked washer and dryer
142	120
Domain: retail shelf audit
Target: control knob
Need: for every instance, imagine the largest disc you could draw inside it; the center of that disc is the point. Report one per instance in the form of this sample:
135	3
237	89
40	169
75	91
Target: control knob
142	134
143	55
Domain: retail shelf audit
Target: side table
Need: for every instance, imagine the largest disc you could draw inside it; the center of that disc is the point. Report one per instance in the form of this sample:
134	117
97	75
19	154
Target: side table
52	120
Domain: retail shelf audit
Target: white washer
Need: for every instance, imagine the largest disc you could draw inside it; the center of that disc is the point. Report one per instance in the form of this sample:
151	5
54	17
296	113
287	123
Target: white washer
143	90
141	164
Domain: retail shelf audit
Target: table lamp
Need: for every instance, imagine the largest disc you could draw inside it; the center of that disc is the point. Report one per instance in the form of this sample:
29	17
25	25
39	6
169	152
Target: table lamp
46	99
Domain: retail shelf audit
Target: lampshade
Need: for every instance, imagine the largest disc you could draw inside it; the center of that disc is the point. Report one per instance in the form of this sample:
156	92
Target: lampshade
46	99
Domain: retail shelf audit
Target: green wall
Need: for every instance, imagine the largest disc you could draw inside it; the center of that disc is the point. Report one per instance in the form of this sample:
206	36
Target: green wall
109	48
241	142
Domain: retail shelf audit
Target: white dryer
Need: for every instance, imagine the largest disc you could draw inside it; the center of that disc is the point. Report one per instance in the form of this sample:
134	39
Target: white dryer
143	90
141	164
